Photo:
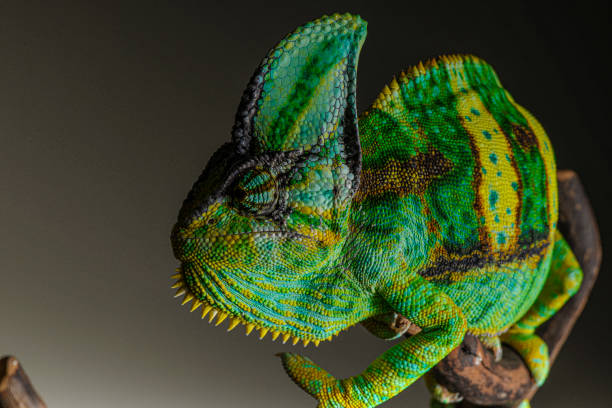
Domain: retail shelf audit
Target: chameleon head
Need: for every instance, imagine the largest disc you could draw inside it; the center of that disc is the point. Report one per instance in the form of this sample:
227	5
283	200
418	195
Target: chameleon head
251	251
260	232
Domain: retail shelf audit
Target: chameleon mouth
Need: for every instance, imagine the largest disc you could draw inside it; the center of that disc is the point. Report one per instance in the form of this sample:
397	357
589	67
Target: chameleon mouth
287	234
209	310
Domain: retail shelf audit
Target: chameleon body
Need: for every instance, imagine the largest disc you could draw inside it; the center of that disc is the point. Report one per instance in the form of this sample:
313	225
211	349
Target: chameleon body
438	203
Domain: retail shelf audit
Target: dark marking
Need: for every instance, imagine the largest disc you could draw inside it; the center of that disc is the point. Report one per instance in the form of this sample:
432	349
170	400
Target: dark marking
410	177
242	131
524	136
479	259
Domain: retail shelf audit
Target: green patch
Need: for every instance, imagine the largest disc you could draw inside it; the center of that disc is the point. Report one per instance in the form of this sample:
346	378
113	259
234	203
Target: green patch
381	134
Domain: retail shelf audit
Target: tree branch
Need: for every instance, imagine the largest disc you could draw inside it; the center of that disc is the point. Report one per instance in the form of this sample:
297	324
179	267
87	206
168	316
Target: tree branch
16	390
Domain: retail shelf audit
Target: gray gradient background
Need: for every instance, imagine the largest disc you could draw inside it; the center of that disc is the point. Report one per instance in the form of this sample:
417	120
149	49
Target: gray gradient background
108	113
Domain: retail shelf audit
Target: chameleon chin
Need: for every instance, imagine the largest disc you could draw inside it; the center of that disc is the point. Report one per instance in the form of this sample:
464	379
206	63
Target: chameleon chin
439	202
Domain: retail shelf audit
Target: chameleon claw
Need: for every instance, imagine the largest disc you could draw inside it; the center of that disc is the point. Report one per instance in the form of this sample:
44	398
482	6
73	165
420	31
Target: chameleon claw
493	344
440	393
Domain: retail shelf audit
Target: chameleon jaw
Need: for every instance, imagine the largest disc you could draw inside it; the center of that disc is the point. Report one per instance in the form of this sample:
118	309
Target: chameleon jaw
212	312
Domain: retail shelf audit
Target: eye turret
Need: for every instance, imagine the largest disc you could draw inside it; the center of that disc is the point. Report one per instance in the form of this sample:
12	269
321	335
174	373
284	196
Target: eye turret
255	192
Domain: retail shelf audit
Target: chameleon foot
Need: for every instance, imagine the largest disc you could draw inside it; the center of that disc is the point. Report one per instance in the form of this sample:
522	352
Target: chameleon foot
533	350
388	326
440	394
493	344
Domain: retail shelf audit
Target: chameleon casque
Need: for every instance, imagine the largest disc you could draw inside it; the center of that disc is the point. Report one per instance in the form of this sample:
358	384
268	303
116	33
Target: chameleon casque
438	203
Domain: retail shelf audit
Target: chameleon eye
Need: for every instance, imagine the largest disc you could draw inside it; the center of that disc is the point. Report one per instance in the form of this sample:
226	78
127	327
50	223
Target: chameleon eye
255	192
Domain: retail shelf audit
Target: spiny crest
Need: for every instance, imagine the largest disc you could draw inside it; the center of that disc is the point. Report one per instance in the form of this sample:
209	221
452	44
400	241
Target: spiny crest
437	72
211	312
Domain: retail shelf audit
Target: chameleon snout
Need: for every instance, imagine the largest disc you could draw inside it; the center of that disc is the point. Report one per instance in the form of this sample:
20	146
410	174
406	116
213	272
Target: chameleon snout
184	244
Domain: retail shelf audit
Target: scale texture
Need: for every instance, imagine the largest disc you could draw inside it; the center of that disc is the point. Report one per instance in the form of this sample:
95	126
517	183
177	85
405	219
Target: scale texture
438	203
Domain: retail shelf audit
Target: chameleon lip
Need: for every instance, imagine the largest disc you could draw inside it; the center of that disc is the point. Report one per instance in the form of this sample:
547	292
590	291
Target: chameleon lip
211	311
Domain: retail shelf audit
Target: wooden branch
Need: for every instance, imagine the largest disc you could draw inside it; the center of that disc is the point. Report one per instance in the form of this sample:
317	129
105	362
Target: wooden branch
16	390
471	370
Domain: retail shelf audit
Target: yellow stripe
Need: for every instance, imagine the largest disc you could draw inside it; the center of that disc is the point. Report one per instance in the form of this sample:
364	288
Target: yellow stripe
499	200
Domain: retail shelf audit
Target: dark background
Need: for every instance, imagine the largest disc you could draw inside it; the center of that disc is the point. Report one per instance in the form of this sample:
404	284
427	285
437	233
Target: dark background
108	113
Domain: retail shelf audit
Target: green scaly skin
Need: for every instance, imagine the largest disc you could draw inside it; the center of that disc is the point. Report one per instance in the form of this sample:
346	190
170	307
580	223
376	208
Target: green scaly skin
439	203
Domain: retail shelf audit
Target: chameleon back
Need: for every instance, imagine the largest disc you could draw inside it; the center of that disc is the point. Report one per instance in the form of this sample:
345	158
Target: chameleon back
473	174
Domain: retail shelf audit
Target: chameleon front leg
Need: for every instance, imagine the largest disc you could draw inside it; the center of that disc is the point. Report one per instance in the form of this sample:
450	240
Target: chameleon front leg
563	282
443	327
